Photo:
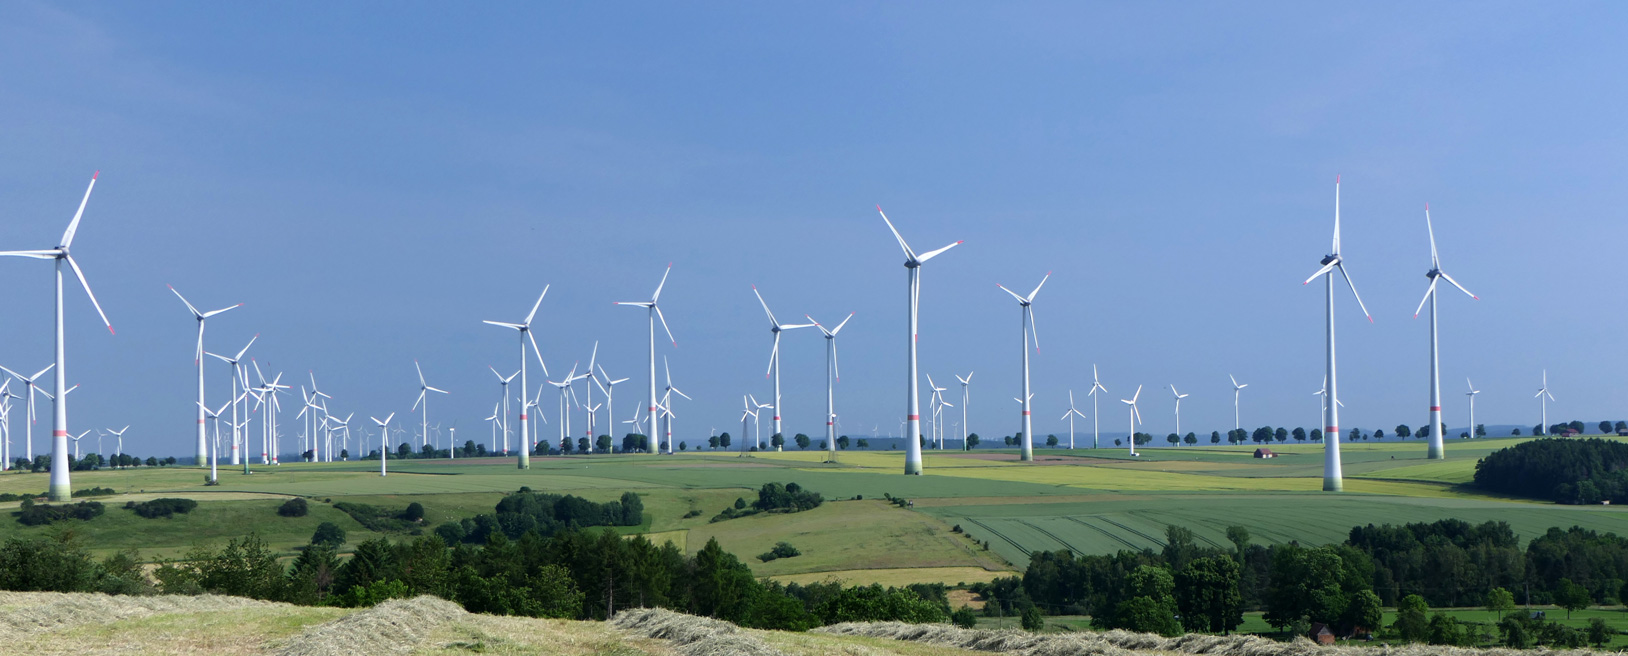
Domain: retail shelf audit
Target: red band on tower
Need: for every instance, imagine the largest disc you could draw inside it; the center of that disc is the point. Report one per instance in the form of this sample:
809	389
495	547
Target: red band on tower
915	417
1435	408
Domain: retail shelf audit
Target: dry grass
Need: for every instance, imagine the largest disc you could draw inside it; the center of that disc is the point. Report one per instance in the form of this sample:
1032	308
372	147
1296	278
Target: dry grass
1125	643
693	636
24	613
397	626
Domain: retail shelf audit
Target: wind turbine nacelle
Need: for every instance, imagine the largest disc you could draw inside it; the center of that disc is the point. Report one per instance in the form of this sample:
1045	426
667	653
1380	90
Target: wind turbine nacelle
1432	274
1329	259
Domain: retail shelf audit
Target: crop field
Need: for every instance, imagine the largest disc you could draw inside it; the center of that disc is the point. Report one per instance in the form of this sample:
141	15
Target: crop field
1084	500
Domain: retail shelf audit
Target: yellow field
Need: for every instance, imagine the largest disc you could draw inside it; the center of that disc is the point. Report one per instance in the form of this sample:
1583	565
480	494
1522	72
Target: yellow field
1123	479
898	577
888	460
678	538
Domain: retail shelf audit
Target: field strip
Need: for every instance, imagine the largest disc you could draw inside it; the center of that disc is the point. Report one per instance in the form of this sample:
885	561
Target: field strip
1133	531
1101	530
897	576
997	534
1051	535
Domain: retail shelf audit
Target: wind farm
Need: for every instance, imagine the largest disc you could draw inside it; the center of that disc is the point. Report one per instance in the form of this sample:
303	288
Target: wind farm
393	186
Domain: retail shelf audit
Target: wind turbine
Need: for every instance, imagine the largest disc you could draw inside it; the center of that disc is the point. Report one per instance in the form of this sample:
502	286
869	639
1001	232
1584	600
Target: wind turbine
197	359
119	434
608	385
76	443
1096	424
749	411
525	336
238	383
1026	308
1473	391
423	399
775	327
31	388
912	263
496	418
934	405
384	438
1179	396
214	444
1322	394
5	424
1236	390
1544	397
655	313
1437	449
504	418
344	426
757	427
327	434
566	394
966	400
667	402
593	410
61	489
1070	415
1332	479
832	374
1136	417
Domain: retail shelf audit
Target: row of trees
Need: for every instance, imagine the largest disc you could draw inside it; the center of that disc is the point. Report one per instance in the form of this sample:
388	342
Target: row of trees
90	461
1447	563
1572	471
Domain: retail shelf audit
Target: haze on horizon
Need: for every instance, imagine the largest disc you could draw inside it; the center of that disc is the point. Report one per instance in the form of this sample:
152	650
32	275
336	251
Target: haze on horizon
373	180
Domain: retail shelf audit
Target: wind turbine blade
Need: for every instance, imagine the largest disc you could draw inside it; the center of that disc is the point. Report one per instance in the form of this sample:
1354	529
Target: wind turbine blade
420	371
195	312
505	324
908	254
1428	291
838	329
1435	261
1460	287
1336	214
73	226
246	350
668	366
1137	395
1354	293
1321	271
657	296
1015	295
772	321
1037	287
932	254
1032	330
211	313
534	306
538	352
1546	392
86	284
1138	414
774	354
437	389
38	255
663	319
836	369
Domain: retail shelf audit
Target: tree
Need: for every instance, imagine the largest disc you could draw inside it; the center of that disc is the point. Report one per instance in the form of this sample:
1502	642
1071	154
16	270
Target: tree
1299	434
723	440
1239	537
1356	434
414	512
1605	428
1281	434
1576	426
1599	632
972	441
1316	435
603	442
862	443
1480	430
802	441
583	446
842	442
1500	601
1516	432
1412	622
1173	439
1207	595
1379	433
1571	596
1051	441
1190	439
1365	610
1032	619
712	442
295	507
964	617
1621	425
1150	607
1537	429
1403	431
328	533
778	440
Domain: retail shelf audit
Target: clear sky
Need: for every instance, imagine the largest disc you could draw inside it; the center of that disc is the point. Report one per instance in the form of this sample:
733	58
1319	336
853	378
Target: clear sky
374	179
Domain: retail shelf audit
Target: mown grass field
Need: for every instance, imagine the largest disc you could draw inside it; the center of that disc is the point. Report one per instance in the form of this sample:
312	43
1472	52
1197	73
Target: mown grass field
1085	500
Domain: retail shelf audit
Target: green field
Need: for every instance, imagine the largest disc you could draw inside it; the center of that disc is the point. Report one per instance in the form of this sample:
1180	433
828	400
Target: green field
1087	501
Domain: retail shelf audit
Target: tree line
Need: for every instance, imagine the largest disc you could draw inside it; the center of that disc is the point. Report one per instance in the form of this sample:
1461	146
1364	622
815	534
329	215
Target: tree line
1570	471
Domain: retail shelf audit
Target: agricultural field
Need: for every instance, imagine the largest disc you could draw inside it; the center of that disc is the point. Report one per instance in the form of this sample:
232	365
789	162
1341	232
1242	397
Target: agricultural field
1083	500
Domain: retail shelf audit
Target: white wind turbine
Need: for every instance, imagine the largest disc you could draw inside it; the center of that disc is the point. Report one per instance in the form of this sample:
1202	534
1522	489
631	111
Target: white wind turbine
775	327
76	443
1544	397
566	394
757	426
1473	391
1026	308
327	434
384	438
667	402
1136	417
31	387
1322	394
912	263
525	336
966	400
1236	390
593	410
934	407
214	444
423	400
197	359
608	386
61	488
749	411
1179	396
119	434
1096	424
239	384
832	375
504	417
5	424
1437	450
496	419
1070	415
1333	481
343	425
655	313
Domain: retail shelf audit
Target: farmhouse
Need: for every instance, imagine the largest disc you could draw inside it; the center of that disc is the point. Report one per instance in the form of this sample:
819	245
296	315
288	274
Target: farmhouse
1321	634
1264	452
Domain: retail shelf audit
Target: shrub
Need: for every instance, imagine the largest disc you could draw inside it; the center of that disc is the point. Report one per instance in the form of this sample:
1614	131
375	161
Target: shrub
1032	619
41	514
780	550
295	507
329	534
166	507
964	618
414	512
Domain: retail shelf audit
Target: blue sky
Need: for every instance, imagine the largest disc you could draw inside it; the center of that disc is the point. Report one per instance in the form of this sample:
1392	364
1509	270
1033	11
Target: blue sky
374	179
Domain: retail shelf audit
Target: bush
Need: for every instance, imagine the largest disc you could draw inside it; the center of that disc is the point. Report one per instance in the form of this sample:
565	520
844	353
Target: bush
964	618
1032	619
329	534
295	507
166	507
780	550
41	514
414	512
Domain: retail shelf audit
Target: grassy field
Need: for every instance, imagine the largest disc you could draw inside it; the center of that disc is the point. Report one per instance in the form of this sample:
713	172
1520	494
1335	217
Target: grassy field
1085	500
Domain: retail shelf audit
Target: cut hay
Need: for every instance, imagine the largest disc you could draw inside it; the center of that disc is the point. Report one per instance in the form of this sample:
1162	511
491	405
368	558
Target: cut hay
693	636
23	613
397	626
1124	643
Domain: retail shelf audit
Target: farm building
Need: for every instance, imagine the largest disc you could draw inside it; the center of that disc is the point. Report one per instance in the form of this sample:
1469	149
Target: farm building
1264	452
1321	634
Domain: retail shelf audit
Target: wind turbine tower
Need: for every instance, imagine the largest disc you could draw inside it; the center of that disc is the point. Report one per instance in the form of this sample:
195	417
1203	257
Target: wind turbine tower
776	328
1437	450
1179	396
1136	417
524	460
1026	308
912	263
832	375
1096	424
197	360
1471	394
655	313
